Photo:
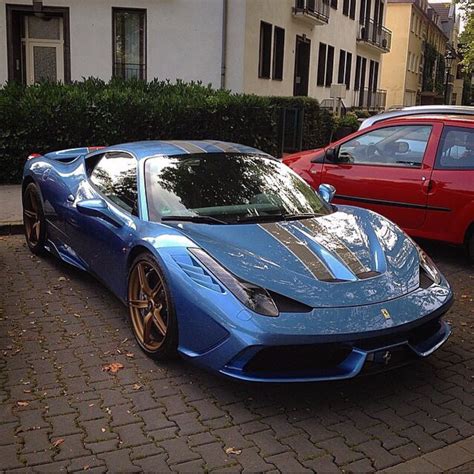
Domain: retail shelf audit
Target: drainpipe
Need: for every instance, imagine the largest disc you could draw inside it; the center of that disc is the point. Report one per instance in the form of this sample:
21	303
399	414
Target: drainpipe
224	42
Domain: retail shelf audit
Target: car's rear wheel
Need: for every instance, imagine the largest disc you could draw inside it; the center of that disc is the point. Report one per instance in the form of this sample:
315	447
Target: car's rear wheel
151	310
33	219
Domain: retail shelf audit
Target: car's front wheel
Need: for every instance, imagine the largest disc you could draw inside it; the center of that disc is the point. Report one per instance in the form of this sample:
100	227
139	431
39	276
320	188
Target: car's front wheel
33	219
151	310
470	246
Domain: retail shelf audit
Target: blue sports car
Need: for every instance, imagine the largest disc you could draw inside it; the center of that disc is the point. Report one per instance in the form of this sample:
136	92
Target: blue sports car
224	255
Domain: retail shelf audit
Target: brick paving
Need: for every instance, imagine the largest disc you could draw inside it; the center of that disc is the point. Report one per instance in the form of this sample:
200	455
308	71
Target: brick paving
60	411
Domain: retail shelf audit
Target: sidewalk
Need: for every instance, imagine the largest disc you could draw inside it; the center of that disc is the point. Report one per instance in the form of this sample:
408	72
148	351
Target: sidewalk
11	221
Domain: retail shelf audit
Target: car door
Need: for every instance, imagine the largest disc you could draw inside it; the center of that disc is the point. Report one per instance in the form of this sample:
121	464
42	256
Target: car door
386	169
451	197
100	243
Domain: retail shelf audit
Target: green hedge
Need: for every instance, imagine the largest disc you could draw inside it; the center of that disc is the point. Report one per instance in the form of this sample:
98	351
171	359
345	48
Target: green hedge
48	116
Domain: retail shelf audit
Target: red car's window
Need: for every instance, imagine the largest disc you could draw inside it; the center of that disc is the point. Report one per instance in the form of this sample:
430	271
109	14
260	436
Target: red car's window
401	145
456	150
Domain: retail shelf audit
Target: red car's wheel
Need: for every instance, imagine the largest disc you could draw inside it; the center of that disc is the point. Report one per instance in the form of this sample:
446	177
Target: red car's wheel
33	220
151	310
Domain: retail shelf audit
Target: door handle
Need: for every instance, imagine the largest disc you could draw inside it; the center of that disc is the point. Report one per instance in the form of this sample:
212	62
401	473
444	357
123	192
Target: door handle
71	198
427	184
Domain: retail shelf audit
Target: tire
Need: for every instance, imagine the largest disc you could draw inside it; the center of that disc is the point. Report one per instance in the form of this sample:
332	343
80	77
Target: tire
34	220
151	309
470	246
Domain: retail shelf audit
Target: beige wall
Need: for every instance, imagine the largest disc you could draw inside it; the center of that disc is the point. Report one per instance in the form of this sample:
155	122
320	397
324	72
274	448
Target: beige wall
340	32
394	64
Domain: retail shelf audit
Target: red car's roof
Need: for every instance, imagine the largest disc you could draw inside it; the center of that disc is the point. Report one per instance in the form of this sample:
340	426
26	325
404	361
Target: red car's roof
438	118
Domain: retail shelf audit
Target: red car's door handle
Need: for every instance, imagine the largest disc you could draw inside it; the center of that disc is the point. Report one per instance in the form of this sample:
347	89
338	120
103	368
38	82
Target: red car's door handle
427	184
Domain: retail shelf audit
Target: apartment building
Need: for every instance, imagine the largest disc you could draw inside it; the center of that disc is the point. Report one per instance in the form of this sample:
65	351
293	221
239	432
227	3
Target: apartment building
304	47
267	47
413	72
450	24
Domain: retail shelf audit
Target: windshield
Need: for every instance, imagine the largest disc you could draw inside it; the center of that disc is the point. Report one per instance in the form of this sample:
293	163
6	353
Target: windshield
230	187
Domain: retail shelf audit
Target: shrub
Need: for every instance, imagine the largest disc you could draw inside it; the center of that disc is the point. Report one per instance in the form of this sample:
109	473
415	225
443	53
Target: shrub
49	116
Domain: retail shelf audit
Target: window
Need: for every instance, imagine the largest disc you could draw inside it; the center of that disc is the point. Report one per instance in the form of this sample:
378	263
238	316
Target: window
321	64
329	66
265	50
334	4
344	71
115	176
129	44
359	80
390	146
457	149
227	186
278	53
352	10
348	8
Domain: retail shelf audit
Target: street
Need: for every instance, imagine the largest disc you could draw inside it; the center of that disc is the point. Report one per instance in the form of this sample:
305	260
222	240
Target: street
65	405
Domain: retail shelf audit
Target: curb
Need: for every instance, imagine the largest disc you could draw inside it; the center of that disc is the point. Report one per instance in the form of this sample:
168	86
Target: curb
11	228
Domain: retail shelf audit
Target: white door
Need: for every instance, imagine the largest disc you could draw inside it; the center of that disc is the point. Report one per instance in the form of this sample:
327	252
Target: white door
44	49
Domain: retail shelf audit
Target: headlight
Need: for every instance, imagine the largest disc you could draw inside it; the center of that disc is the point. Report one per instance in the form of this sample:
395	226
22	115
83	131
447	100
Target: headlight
255	298
428	266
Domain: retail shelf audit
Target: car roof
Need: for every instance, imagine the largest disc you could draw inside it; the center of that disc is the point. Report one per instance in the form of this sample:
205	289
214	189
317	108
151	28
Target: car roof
148	148
439	110
452	119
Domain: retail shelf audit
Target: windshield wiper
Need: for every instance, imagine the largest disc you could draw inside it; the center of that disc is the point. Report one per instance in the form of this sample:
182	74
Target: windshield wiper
197	219
272	217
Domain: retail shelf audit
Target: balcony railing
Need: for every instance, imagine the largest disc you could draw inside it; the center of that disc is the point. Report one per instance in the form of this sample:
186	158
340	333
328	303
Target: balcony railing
375	35
313	11
370	99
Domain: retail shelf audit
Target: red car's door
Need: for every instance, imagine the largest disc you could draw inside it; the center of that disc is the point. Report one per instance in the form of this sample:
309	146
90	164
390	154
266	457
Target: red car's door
388	170
451	196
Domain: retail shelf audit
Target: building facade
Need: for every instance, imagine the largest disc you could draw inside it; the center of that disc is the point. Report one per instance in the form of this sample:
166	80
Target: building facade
304	47
266	47
450	24
71	39
413	72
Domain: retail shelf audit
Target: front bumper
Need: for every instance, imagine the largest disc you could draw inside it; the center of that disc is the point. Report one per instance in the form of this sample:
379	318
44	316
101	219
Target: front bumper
331	357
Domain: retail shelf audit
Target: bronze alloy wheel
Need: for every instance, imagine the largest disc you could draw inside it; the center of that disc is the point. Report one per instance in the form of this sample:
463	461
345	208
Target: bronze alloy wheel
150	308
33	219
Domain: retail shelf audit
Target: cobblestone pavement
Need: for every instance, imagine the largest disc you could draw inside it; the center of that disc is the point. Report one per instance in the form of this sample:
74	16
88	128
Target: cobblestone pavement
60	410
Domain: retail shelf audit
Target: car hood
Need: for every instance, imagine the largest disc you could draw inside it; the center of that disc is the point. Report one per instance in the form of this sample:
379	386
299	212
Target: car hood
351	257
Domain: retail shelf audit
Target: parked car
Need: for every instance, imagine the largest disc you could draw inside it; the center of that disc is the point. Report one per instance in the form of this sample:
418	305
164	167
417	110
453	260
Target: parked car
226	256
416	170
418	110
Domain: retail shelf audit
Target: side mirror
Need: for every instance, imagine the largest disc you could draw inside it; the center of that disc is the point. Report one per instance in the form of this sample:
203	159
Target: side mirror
327	192
331	154
98	208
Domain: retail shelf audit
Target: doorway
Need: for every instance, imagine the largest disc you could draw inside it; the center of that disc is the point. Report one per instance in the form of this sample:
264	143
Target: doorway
302	59
44	49
38	44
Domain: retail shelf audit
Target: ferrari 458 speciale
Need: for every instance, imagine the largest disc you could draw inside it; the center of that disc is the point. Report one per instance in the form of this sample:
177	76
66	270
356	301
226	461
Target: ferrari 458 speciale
224	255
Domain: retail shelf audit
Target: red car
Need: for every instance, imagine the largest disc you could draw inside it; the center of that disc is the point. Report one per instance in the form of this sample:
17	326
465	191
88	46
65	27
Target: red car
418	171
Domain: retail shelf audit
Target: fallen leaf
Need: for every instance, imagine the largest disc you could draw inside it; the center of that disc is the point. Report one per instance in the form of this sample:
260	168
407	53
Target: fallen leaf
233	451
62	279
137	386
114	367
57	442
91	404
103	430
86	467
26	391
130	354
22	404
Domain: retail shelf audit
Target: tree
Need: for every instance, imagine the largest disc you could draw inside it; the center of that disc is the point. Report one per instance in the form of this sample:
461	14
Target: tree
466	38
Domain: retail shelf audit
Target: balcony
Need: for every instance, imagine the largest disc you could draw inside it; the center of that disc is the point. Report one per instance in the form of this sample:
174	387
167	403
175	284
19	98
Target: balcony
373	100
315	12
375	35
